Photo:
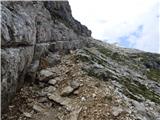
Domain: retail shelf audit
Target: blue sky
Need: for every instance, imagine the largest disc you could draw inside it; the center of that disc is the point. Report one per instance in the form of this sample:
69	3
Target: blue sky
124	40
129	23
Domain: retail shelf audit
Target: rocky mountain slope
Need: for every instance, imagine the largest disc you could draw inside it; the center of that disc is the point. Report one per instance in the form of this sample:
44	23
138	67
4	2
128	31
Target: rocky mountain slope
32	33
64	74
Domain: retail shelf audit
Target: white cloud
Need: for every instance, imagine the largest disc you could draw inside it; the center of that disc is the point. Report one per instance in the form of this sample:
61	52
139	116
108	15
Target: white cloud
149	40
111	19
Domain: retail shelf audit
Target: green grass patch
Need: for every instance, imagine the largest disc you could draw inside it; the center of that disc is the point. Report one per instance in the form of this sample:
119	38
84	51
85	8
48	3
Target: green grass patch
154	74
139	89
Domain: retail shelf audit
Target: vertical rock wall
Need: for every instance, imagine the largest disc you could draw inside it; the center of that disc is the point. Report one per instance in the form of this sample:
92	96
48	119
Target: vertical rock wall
30	31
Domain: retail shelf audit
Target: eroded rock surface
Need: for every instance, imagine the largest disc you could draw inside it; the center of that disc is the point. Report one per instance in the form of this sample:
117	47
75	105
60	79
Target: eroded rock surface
86	96
34	33
69	75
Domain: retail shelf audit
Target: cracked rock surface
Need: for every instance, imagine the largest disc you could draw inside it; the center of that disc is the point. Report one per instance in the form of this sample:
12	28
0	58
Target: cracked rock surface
52	69
96	99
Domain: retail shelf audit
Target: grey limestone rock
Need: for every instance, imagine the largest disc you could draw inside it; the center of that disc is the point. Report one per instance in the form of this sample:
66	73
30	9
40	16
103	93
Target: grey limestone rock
30	31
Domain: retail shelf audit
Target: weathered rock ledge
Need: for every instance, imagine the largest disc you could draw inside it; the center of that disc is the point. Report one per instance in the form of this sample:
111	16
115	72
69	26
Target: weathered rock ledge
33	34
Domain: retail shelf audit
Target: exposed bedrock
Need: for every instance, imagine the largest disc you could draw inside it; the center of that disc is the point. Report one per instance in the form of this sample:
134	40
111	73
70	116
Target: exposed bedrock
33	34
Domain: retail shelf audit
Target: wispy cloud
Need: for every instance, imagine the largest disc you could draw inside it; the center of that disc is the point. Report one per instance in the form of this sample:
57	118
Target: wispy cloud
132	23
130	39
138	32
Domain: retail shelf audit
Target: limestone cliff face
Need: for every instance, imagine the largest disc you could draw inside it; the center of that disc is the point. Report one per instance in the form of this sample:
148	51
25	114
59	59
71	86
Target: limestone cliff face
32	36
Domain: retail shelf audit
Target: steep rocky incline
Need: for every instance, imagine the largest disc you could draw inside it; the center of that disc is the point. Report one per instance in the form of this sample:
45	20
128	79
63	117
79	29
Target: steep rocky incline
33	33
135	75
93	83
57	71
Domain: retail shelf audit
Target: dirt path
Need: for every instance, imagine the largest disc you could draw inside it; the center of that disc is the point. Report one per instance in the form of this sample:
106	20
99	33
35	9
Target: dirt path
72	95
